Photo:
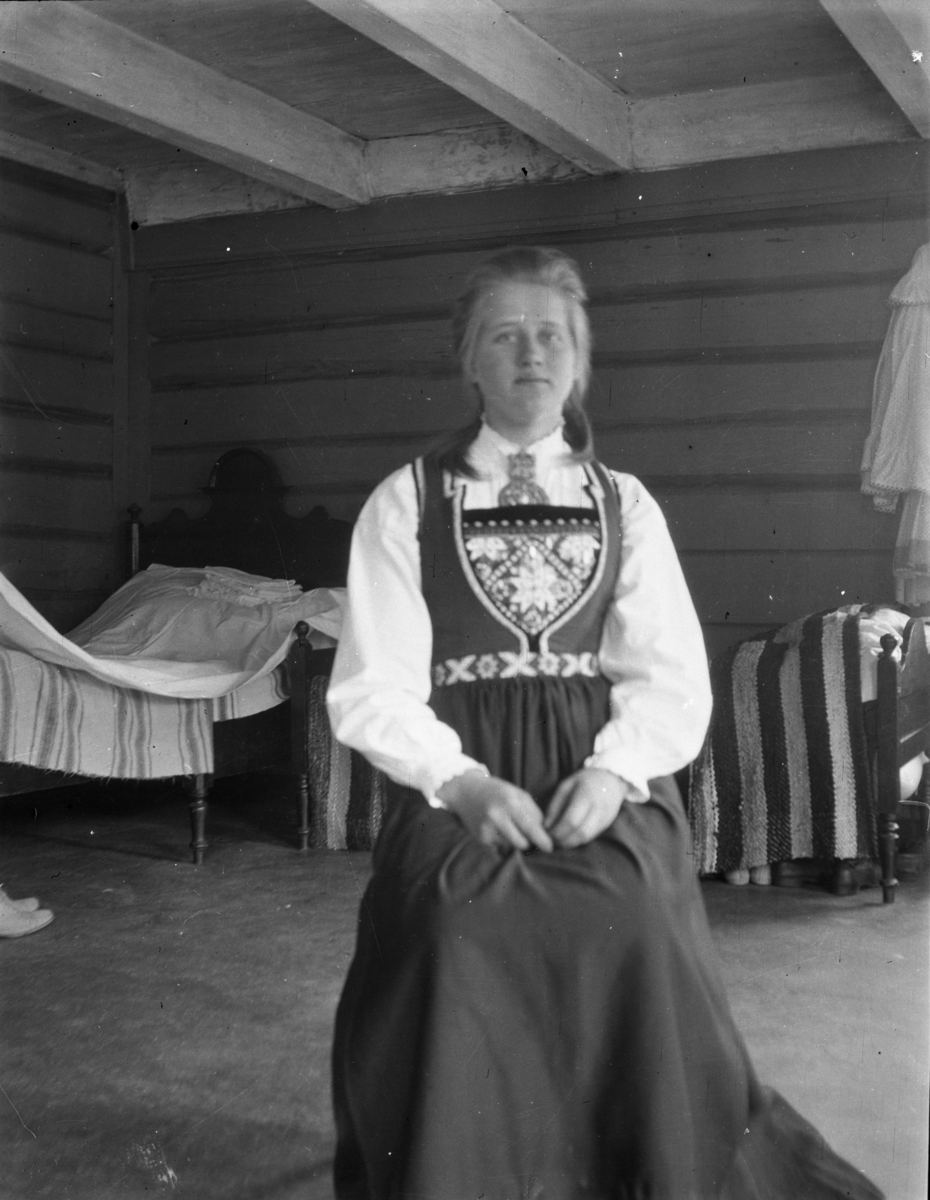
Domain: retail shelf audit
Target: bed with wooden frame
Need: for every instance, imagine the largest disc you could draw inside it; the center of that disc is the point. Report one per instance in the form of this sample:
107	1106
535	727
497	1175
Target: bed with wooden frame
800	776
246	528
897	724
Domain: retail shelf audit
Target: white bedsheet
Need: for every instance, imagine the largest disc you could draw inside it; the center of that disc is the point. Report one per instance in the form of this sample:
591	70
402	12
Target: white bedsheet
872	626
172	631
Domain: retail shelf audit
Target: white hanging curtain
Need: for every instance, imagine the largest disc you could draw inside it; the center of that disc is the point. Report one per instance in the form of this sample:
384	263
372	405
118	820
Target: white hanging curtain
896	459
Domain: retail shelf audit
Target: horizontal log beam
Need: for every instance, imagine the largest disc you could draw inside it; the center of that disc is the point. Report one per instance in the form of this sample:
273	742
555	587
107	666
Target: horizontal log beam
59	162
459	161
478	49
763	118
72	55
894	39
188	192
462	161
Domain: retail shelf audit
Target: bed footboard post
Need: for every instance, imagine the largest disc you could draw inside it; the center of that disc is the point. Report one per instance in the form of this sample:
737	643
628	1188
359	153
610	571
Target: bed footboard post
200	789
888	854
135	526
888	793
299	671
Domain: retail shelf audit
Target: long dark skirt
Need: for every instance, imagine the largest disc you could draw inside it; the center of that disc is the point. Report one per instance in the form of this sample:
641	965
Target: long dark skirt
552	1027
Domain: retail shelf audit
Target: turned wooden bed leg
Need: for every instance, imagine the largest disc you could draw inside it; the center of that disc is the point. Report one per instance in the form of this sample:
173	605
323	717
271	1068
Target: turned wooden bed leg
887	754
200	789
303	811
888	850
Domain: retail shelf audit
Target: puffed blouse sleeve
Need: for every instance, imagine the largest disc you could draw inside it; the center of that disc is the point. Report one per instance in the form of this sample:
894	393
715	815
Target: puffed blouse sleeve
652	650
380	686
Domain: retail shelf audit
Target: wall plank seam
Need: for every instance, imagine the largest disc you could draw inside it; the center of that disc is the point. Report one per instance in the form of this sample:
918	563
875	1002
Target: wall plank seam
599	299
583	229
46	532
24	465
55	349
57	413
32	305
76	245
797	418
429	370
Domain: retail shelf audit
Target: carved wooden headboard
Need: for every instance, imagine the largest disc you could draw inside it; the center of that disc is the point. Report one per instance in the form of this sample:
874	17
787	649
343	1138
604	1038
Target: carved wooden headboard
247	528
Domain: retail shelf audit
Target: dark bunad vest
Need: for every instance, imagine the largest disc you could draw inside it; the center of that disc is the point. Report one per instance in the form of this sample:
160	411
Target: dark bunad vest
517	596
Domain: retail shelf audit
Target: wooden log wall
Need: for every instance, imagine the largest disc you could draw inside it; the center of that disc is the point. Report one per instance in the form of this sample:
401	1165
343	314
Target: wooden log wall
738	313
60	416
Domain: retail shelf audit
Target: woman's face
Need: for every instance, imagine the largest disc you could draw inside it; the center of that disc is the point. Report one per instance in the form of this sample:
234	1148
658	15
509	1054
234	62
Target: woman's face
524	362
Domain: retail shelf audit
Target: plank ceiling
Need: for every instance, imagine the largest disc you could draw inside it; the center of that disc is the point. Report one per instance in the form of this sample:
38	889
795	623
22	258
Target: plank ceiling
197	108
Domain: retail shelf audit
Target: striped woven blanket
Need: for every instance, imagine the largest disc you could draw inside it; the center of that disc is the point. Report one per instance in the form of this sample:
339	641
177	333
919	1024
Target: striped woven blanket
784	773
347	793
66	720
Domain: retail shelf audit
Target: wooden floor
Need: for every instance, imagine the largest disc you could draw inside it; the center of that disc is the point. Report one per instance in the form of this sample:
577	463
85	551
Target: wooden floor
168	1034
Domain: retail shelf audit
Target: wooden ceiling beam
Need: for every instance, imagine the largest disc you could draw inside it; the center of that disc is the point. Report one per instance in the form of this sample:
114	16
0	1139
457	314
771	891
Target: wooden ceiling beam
162	196
460	161
763	118
478	49
70	54
59	162
894	39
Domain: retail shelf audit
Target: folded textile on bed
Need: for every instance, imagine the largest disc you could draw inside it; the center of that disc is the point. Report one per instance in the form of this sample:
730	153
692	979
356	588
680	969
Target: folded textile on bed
784	772
158	635
226	583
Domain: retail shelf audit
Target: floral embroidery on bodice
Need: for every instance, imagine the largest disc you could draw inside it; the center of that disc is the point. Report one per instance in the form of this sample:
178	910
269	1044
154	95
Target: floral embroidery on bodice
533	564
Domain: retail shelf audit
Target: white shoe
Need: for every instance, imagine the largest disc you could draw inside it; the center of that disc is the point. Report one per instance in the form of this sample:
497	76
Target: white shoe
739	877
28	904
14	922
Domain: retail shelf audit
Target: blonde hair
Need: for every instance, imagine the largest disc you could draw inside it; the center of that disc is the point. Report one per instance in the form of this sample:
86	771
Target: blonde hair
523	264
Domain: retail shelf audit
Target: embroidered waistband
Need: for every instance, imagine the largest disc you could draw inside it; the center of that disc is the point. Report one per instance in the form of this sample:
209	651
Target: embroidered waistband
510	664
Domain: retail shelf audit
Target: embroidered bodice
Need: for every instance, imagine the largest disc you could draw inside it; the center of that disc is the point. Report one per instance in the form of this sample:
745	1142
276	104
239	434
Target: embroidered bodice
517	589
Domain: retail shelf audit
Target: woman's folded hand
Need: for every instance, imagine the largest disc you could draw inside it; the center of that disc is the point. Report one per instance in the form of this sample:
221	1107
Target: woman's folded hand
497	813
583	806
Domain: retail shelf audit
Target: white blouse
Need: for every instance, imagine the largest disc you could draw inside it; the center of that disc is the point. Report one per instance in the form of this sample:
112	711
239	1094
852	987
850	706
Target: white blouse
652	648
